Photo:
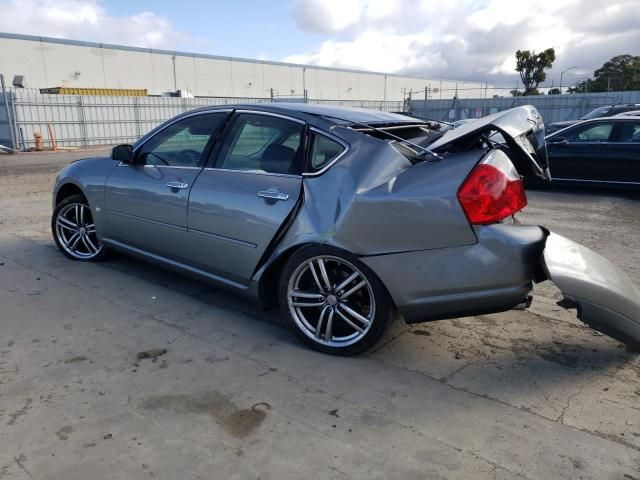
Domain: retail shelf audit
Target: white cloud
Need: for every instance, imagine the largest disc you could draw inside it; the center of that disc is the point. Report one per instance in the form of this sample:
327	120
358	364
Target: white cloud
87	19
467	39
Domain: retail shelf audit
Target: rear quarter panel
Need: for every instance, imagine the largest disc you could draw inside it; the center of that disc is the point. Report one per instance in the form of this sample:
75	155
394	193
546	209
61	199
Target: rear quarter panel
374	202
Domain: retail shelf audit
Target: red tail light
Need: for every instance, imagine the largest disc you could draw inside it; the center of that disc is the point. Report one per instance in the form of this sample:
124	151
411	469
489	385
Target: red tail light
492	191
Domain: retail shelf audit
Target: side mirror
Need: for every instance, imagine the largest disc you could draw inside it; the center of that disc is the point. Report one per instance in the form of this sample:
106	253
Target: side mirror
122	153
559	141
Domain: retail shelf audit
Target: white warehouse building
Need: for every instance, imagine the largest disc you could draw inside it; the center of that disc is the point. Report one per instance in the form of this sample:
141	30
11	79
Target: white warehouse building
51	62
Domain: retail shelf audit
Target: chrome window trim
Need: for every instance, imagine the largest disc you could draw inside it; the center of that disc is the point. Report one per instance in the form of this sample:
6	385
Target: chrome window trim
271	114
254	172
175	120
346	150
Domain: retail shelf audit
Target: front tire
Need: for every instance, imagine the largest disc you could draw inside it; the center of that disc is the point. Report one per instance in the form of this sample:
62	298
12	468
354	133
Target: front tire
332	301
75	232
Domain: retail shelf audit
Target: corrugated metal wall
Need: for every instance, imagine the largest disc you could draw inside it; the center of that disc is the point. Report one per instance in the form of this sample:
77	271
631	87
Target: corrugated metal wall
554	108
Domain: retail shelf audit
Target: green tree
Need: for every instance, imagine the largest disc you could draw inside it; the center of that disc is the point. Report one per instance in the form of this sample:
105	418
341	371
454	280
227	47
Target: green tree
554	91
531	66
620	73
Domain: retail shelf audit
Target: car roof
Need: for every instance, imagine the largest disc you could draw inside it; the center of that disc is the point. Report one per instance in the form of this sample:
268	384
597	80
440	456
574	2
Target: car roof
331	113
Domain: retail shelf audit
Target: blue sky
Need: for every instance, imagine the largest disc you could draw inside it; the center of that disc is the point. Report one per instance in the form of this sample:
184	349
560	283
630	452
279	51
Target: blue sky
242	28
472	40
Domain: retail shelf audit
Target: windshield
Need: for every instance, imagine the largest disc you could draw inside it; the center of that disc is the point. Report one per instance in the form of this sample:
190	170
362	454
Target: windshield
597	113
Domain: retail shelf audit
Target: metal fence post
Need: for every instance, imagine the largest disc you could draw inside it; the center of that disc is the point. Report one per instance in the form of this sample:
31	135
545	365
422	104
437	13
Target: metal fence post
10	125
83	123
426	97
136	106
14	119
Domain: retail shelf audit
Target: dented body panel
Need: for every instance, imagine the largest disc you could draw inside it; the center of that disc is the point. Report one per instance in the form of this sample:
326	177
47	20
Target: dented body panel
399	214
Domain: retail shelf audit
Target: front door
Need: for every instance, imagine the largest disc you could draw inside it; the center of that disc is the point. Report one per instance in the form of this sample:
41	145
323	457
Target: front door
238	204
146	202
581	152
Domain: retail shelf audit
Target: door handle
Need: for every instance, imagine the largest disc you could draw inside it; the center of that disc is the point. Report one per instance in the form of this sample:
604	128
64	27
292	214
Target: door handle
178	185
273	195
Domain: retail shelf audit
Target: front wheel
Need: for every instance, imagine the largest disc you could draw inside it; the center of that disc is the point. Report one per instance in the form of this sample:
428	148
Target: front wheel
333	302
74	230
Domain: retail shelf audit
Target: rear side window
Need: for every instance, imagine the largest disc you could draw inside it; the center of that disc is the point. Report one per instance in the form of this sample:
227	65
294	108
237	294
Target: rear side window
323	151
630	132
262	144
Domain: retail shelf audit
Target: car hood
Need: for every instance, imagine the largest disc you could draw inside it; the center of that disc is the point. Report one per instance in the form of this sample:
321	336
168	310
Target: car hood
523	130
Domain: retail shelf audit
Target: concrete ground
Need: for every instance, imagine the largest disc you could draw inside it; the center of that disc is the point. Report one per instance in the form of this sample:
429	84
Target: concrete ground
121	370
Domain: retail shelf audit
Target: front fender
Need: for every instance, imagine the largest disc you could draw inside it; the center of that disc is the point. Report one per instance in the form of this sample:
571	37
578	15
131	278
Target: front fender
89	176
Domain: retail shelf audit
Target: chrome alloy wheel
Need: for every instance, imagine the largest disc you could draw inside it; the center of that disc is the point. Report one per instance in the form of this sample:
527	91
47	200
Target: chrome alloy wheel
76	231
331	301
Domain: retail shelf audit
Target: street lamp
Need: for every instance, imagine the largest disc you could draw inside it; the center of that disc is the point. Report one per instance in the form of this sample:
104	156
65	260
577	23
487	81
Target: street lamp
562	73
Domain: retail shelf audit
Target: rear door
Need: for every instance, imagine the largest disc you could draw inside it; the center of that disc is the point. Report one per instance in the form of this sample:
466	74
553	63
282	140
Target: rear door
146	202
625	147
245	194
582	153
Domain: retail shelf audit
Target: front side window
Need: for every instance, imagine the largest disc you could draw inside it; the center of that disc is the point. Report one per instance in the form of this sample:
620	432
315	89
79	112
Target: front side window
183	143
323	151
264	144
599	132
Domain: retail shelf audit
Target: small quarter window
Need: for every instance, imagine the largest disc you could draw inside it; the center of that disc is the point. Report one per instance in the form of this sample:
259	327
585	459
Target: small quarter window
323	151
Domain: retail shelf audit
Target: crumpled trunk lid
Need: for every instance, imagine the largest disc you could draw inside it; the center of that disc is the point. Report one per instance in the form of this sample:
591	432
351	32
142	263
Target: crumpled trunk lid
606	299
523	131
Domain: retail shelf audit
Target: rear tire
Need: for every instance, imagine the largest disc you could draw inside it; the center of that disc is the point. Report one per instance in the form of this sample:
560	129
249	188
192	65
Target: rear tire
74	230
332	301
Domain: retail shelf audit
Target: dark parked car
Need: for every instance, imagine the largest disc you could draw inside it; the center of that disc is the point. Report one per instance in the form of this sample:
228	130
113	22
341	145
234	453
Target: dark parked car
600	112
604	150
342	216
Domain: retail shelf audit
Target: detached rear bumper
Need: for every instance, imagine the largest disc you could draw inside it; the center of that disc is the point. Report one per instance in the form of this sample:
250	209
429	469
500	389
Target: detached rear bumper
605	297
497	273
493	275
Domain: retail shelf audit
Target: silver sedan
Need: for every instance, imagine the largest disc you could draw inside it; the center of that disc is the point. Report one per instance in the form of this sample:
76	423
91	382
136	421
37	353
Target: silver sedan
343	217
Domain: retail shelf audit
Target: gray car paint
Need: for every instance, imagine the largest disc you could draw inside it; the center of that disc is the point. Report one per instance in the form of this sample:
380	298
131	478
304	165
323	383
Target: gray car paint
403	220
493	274
606	298
230	226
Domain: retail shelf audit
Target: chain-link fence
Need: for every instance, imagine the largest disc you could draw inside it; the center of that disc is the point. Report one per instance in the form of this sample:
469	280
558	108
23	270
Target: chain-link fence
75	120
84	120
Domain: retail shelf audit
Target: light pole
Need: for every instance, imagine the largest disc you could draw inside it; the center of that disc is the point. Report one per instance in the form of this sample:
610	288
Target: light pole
562	73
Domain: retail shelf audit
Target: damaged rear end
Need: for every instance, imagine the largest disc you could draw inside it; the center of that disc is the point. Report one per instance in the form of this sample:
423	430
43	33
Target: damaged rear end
497	271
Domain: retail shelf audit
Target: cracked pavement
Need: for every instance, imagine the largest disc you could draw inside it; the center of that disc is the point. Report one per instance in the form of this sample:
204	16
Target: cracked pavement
87	389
